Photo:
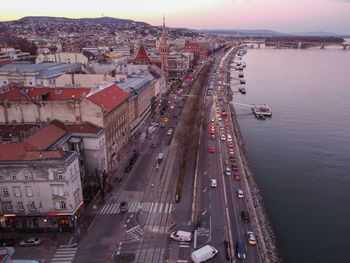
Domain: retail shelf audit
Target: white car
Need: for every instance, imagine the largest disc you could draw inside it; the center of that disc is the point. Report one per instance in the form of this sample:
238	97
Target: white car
219	118
228	171
213	183
30	241
229	138
170	131
223	137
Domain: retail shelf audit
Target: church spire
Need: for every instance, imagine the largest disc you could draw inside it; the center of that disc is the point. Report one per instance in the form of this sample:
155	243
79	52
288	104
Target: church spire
164	52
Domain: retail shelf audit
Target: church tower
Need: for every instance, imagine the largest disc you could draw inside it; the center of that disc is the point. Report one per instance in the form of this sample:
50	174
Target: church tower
164	52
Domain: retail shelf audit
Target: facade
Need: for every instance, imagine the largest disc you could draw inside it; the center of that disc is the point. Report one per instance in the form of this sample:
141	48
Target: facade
40	182
12	54
83	80
62	57
179	65
36	75
105	107
142	100
195	49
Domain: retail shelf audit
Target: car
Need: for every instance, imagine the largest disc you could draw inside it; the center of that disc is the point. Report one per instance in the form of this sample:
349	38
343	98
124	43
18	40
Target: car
162	125
123	207
231	152
176	116
165	119
236	176
7	242
172	107
128	168
240	250
229	138
227	171
221	127
240	193
219	118
134	158
223	137
232	158
213	183
245	216
226	120
212	120
234	167
212	131
251	238
212	149
30	241
212	125
170	131
212	136
230	145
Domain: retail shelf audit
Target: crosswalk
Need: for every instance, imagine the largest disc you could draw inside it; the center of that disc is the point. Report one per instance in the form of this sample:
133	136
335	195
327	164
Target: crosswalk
64	255
113	208
136	232
203	232
184	244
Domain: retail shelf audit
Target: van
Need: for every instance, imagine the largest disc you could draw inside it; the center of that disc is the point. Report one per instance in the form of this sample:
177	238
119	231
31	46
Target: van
181	235
203	254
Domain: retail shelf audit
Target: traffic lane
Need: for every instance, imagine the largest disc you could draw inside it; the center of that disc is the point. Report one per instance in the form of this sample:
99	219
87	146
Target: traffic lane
106	232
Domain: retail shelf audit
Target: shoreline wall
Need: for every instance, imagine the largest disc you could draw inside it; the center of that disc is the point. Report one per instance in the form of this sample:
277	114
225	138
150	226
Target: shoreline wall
269	236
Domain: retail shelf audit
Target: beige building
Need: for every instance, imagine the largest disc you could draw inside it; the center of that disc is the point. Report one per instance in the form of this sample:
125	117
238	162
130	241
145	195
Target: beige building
62	57
40	182
84	80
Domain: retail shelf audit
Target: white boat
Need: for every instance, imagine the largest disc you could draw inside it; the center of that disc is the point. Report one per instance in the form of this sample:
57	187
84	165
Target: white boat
261	110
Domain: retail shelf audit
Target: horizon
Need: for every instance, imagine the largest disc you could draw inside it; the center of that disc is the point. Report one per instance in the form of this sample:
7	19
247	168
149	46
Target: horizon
288	17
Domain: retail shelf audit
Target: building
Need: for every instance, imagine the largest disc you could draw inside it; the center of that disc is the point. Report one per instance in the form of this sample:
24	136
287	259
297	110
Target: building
12	54
178	65
195	49
141	56
164	52
105	107
40	182
83	80
36	75
142	100
62	57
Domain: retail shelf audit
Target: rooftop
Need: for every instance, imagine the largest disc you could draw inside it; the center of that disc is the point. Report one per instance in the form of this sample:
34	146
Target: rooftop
136	83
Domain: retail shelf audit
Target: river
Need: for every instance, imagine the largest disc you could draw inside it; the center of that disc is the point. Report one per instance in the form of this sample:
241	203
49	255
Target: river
301	156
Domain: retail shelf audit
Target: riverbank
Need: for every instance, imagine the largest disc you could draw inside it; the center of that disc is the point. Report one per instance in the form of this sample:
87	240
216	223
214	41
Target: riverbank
270	248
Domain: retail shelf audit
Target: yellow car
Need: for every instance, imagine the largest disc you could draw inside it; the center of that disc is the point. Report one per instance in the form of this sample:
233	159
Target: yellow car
165	119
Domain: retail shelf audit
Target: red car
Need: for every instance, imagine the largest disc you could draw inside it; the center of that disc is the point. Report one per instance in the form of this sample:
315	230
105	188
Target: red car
226	120
212	125
212	149
236	176
212	132
232	158
234	167
230	145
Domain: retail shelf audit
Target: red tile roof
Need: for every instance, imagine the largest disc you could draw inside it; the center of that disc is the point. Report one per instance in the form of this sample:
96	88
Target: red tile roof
14	93
15	151
109	97
44	137
141	54
83	128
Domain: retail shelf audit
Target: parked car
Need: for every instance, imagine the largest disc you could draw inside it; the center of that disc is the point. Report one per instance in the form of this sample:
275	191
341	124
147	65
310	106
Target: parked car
30	241
134	158
128	168
123	207
7	242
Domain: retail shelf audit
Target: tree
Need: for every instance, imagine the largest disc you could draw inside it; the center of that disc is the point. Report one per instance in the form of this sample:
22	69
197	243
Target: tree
101	180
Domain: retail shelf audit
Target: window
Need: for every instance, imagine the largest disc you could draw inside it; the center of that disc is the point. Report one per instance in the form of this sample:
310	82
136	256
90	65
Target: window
59	176
57	190
29	191
32	206
1	177
17	191
13	176
50	175
62	205
5	192
20	206
8	206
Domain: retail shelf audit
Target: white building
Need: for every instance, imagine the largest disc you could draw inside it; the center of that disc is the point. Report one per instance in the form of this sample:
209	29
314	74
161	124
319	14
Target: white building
62	57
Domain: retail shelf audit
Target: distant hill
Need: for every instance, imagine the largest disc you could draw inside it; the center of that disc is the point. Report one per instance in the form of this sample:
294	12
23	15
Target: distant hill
261	32
98	20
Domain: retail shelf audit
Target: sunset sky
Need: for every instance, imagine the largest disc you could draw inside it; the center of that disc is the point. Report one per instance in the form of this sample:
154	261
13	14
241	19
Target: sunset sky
288	16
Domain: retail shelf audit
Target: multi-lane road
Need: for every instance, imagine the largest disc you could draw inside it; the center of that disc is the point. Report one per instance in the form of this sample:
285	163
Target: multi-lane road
142	233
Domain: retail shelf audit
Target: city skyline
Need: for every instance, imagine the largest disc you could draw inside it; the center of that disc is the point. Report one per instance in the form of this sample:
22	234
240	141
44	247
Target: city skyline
287	16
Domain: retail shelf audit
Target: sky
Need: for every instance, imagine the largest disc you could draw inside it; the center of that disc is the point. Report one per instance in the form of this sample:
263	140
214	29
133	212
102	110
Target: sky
288	16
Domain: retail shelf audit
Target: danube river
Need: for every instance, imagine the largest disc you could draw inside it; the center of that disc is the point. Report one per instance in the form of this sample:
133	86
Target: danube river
301	156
